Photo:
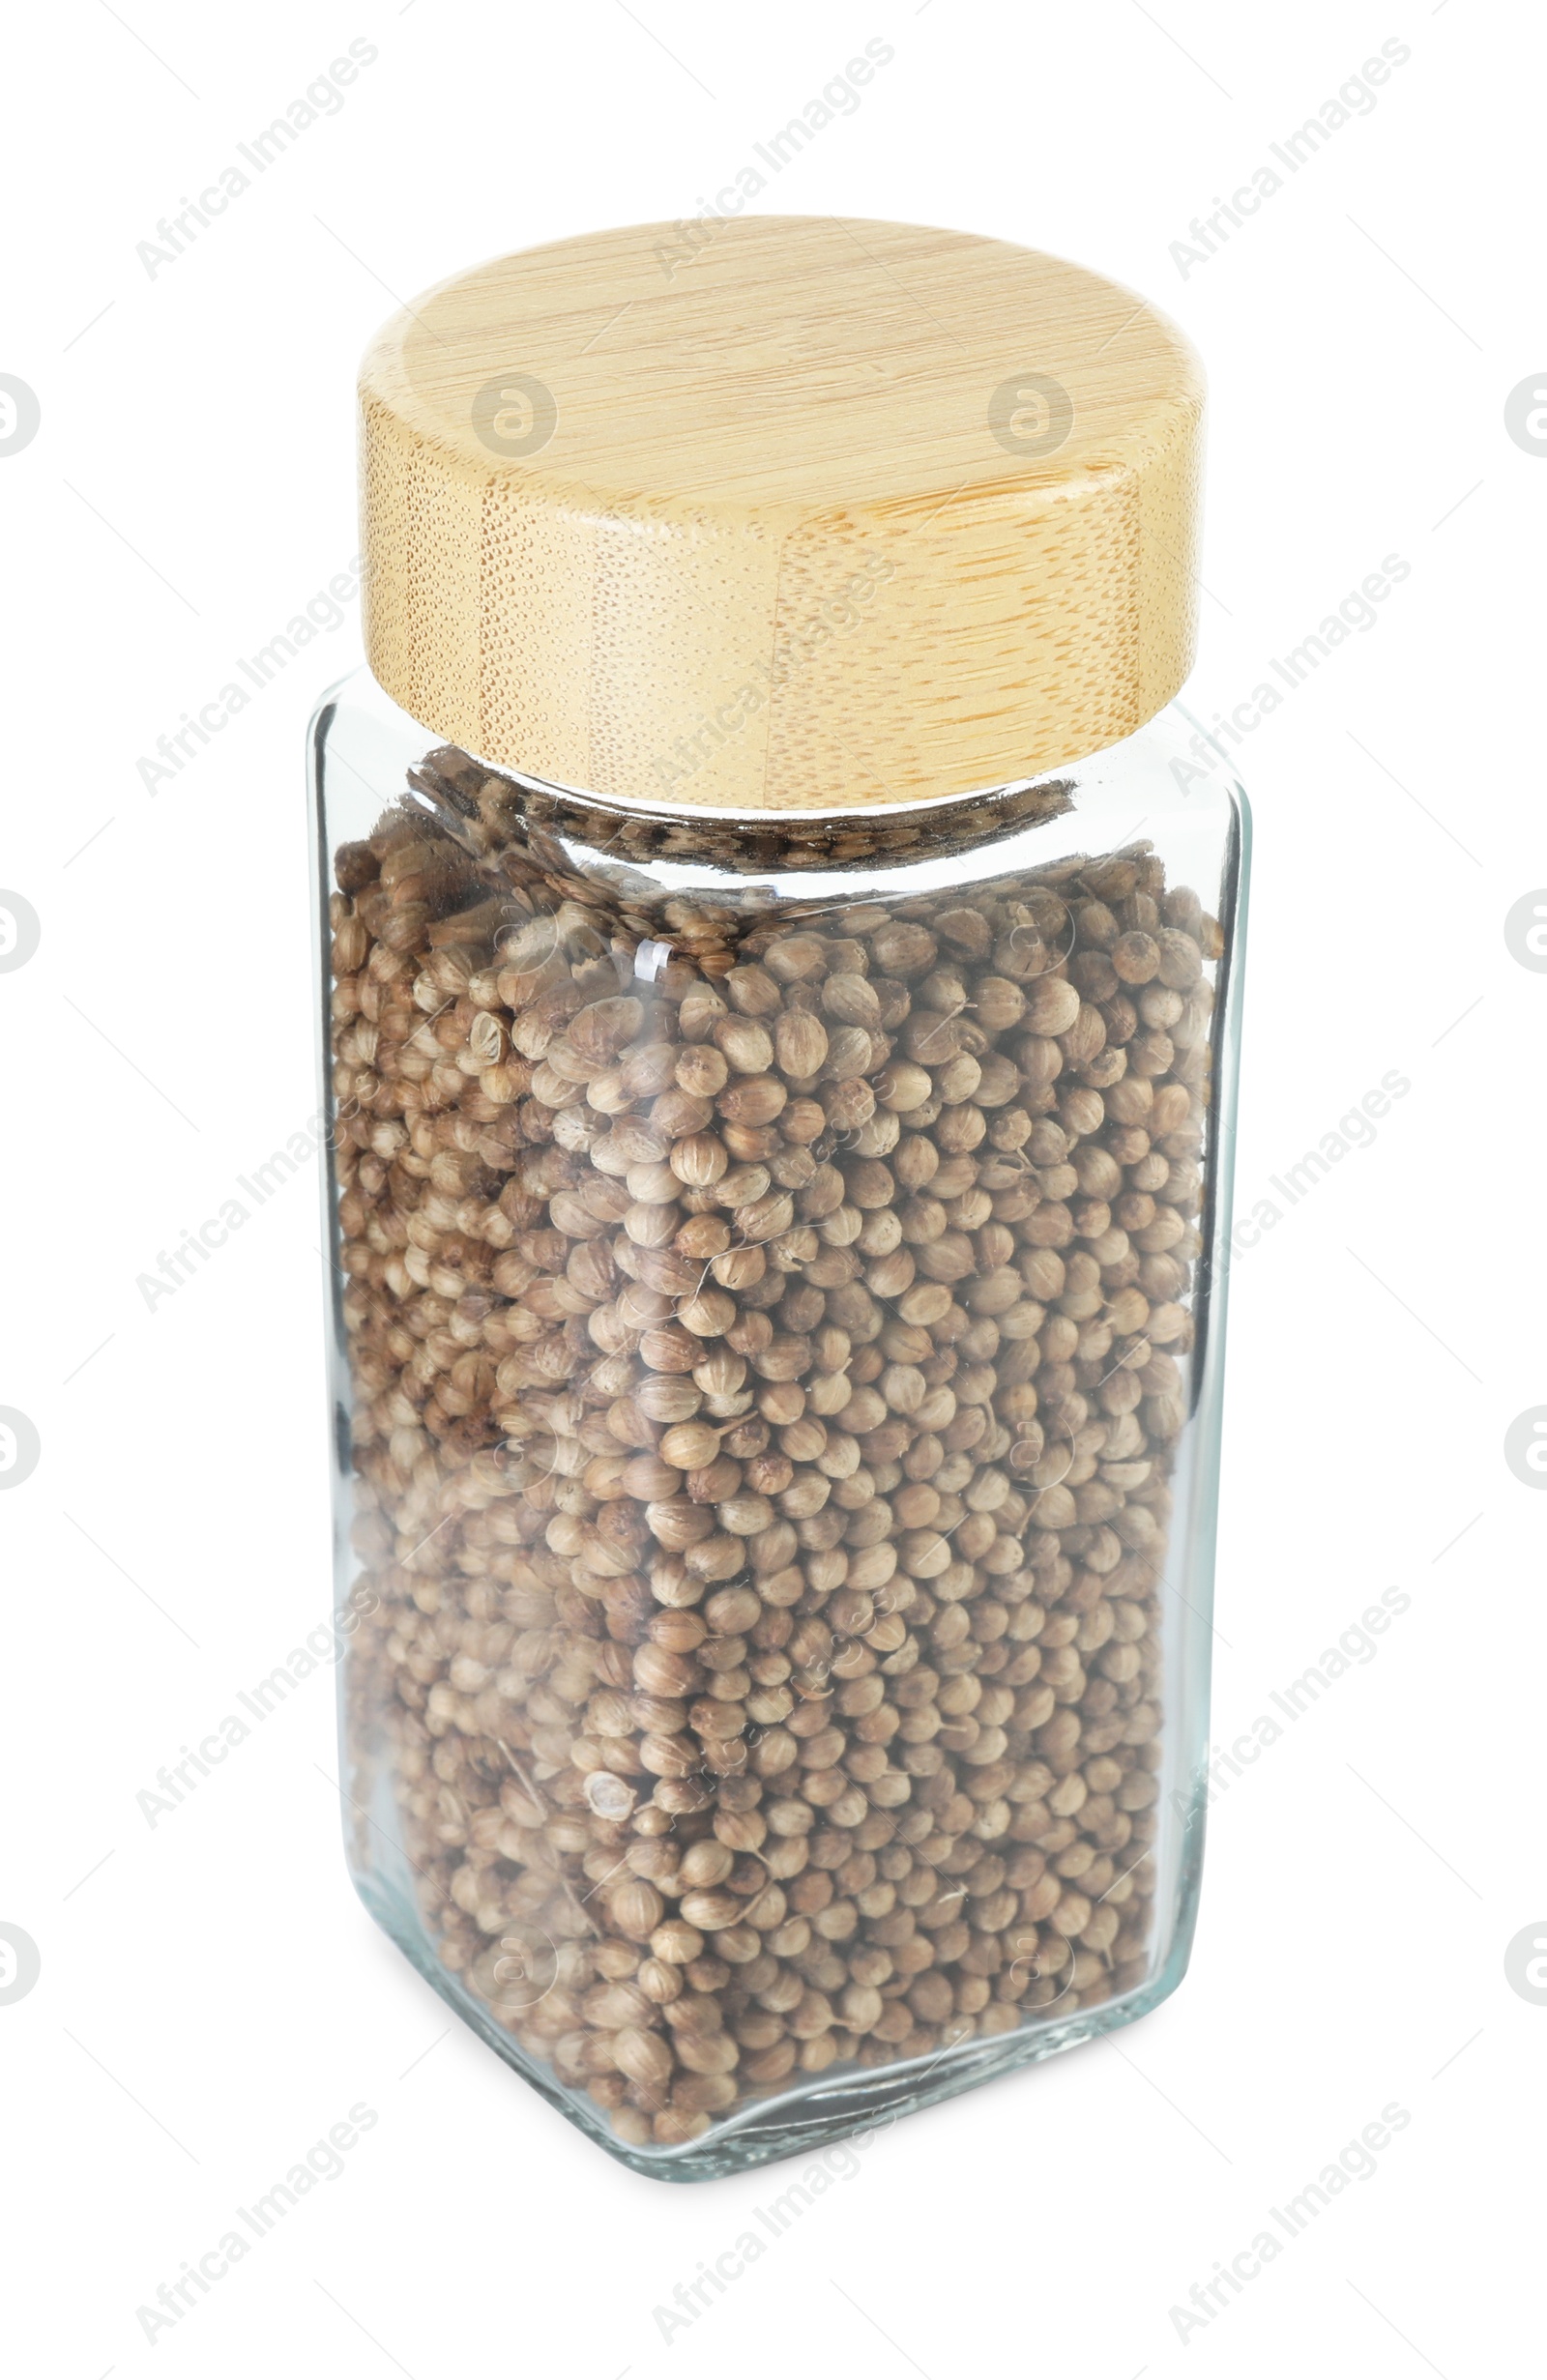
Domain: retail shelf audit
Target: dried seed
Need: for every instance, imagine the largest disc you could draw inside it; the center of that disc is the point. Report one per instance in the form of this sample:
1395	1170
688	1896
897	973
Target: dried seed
771	1369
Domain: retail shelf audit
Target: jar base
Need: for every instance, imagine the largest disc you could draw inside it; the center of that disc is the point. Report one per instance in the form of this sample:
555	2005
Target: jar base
815	2114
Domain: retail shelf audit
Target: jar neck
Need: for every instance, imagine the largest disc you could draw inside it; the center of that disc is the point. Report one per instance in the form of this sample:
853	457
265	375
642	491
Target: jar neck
564	823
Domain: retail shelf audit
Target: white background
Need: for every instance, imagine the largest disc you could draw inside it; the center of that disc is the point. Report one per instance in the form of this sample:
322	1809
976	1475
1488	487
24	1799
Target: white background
212	1997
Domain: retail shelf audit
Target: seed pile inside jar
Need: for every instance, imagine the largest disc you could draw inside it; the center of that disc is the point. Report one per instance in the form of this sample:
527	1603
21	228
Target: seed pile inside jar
769	1325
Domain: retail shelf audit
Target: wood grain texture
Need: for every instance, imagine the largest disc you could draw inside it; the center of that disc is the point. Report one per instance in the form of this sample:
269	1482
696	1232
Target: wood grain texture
766	550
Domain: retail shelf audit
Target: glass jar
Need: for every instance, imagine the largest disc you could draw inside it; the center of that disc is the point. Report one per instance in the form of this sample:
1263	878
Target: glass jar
777	1275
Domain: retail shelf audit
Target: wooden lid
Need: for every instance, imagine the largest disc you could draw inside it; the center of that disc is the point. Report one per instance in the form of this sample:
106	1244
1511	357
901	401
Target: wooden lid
802	514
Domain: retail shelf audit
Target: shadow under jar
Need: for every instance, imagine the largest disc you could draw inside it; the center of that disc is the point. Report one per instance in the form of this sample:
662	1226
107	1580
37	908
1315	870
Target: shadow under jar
777	1295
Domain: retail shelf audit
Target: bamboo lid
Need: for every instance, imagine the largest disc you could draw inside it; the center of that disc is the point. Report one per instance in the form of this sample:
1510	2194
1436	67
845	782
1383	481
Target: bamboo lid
804	514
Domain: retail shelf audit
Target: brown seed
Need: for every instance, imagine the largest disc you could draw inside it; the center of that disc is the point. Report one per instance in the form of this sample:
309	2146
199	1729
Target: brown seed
608	1795
701	1071
754	1102
603	1029
904	1086
708	1314
710	1911
699	1159
635	1908
690	1446
774	1361
676	1943
849	1001
904	949
667	1400
801	1044
644	2057
744	1045
1052	1006
795	957
1136	957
